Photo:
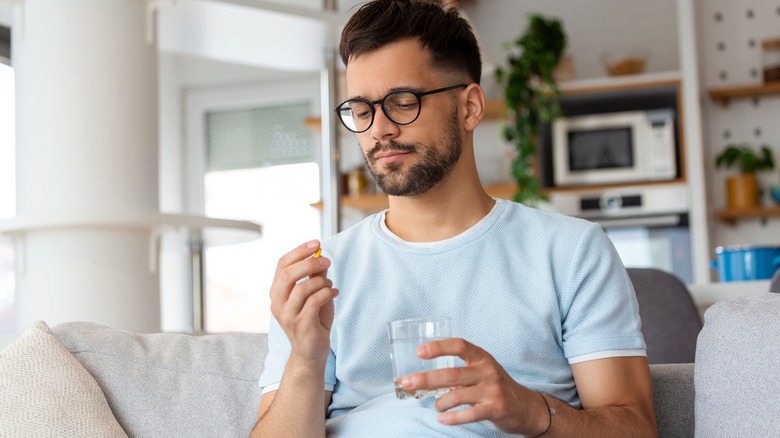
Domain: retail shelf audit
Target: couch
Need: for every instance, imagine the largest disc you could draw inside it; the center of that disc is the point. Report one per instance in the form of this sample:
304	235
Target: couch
81	379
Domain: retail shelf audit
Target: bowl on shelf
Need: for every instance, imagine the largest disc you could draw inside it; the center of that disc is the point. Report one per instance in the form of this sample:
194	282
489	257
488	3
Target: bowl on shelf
625	61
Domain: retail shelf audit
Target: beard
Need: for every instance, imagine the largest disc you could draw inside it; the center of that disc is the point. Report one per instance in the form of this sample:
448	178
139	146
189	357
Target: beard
433	167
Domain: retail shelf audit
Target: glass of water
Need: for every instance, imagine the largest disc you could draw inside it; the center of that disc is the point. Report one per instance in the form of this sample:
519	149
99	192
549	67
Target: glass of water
405	336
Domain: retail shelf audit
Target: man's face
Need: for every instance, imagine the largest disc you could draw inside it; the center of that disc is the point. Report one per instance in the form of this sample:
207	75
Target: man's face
407	160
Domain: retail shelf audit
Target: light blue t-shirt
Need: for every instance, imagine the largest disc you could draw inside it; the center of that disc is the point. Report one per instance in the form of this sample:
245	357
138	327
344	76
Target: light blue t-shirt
537	290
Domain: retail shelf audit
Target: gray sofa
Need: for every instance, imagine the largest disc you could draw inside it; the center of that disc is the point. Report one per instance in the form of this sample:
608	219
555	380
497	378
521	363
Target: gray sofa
83	379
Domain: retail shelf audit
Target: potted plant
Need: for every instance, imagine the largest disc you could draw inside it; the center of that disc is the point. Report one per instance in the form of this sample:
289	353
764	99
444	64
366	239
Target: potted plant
742	190
531	95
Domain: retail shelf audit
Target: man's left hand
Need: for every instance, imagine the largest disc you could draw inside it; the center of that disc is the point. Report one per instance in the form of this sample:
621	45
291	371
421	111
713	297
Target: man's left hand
484	385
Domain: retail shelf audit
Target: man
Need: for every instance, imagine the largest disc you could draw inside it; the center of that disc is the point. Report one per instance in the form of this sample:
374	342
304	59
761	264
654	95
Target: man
544	316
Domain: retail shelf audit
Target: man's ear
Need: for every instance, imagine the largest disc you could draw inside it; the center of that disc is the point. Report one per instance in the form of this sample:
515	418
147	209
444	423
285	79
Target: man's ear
475	106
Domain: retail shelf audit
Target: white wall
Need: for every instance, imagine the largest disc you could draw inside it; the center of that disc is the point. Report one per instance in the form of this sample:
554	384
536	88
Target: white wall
5	14
242	35
592	27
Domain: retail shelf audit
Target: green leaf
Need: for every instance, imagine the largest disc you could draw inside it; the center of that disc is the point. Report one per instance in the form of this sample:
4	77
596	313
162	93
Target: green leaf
745	158
531	92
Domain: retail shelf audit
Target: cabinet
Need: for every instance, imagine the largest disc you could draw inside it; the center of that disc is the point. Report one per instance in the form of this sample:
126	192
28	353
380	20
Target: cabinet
609	96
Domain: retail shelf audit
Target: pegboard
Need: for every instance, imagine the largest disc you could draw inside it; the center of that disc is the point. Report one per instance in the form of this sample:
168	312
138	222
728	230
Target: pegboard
730	39
729	42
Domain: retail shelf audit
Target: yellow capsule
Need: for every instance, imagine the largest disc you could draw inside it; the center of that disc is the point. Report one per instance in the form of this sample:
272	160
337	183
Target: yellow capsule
317	254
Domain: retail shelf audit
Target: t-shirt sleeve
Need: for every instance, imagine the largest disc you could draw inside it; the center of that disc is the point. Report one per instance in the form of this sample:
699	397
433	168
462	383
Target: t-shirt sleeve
600	310
278	353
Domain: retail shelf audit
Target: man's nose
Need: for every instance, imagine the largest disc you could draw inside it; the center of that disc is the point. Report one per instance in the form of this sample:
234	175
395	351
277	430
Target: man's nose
383	128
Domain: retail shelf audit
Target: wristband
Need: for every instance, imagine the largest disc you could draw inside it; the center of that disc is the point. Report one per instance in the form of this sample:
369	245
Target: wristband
550	411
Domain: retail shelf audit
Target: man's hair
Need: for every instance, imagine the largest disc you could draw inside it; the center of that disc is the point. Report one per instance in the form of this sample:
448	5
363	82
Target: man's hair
444	33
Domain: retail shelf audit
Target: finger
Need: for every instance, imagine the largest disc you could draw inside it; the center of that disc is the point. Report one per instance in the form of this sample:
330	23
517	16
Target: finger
464	395
302	292
442	378
462	416
299	253
294	274
465	350
315	302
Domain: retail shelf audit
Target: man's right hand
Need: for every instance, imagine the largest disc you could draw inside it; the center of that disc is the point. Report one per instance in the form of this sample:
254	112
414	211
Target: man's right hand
302	302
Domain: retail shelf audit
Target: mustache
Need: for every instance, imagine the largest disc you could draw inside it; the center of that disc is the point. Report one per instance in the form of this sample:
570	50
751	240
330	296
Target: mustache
391	145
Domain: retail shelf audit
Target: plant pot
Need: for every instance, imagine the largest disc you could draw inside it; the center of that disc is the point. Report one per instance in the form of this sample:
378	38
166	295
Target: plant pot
742	191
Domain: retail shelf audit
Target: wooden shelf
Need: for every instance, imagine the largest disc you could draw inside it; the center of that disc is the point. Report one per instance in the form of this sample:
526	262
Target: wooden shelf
366	203
372	203
494	110
617	186
722	96
731	216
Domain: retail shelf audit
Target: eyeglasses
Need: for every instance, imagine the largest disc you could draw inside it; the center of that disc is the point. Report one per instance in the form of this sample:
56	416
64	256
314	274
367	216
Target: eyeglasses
402	107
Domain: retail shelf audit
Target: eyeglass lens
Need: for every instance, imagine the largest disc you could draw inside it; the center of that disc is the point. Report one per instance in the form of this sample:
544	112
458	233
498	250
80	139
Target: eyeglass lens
401	107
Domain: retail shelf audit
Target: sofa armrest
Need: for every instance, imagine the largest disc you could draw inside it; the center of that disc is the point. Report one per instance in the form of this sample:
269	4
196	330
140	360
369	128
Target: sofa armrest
673	396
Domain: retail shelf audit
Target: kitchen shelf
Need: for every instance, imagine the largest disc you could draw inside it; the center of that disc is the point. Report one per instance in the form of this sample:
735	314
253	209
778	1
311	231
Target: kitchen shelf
496	109
723	95
372	203
731	216
607	187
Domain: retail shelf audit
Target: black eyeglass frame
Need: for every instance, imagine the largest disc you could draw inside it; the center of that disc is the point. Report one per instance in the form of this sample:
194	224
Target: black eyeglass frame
372	104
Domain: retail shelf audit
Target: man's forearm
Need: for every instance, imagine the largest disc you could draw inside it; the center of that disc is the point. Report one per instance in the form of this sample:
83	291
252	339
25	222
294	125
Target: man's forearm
297	407
612	421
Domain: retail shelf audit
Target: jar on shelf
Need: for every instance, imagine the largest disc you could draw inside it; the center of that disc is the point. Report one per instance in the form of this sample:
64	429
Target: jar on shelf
770	59
356	182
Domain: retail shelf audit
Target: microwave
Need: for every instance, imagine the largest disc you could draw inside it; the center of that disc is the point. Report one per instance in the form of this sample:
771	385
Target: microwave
610	148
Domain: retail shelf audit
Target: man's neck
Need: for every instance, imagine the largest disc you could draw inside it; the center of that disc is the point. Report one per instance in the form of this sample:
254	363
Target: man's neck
445	211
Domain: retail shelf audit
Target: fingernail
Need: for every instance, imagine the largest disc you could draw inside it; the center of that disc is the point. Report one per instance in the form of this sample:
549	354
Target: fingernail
313	244
422	351
407	381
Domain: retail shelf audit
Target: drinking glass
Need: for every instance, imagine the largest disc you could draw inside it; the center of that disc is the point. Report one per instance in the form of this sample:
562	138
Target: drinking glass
405	336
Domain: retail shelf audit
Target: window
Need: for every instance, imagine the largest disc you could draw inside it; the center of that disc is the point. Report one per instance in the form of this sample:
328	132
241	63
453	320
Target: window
260	167
251	158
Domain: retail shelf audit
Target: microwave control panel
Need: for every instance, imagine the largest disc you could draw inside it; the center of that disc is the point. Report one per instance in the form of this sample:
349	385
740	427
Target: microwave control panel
662	162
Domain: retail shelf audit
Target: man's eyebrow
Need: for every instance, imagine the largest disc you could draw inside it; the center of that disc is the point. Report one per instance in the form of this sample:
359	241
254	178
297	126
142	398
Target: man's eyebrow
414	88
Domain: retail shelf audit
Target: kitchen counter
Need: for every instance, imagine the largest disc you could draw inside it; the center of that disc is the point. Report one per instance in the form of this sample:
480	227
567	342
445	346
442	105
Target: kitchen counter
707	294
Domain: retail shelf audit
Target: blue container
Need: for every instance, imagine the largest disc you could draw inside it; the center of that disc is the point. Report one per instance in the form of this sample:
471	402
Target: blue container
746	262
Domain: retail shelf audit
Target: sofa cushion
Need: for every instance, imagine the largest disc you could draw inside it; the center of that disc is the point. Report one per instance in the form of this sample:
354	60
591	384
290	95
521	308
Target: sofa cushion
173	385
673	397
737	367
44	391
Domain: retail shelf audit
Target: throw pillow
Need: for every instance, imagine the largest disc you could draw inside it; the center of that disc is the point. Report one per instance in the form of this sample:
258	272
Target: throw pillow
736	368
45	391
